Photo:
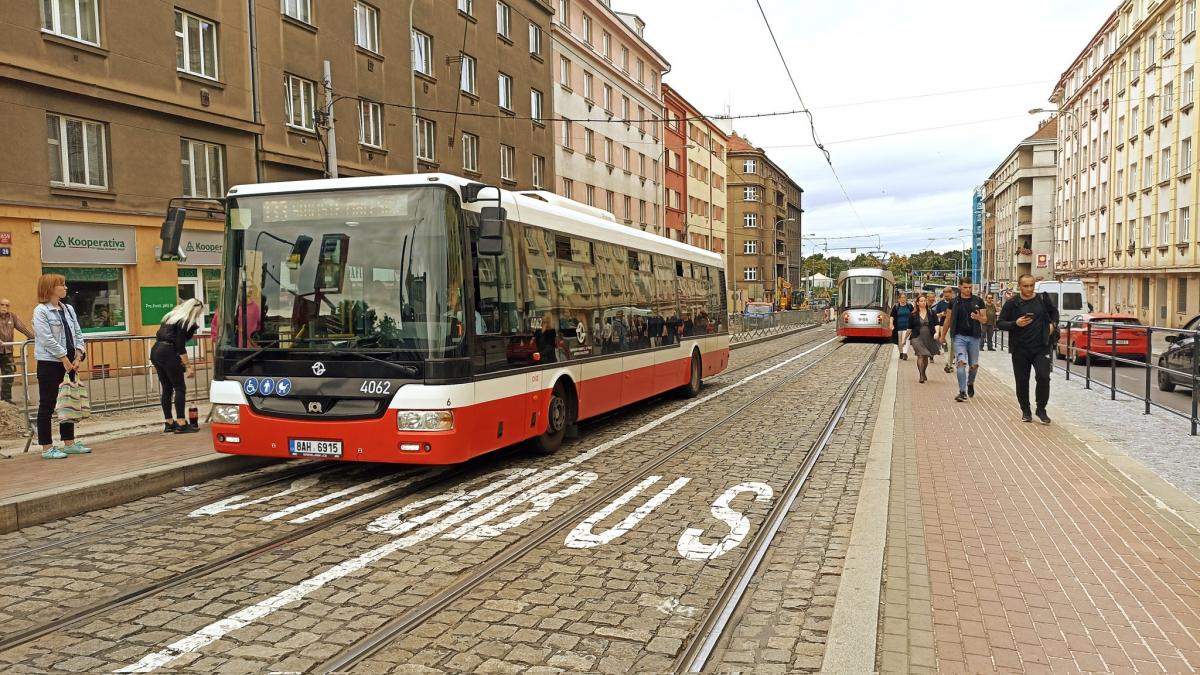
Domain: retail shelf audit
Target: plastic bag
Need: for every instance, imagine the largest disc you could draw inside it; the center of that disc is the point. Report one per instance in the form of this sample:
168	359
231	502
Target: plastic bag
74	403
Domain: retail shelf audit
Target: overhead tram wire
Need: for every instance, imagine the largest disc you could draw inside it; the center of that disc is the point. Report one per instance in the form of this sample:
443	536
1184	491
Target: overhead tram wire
811	122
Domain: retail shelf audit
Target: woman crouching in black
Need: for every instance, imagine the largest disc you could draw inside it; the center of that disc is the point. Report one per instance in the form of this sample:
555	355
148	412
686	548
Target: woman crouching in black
170	359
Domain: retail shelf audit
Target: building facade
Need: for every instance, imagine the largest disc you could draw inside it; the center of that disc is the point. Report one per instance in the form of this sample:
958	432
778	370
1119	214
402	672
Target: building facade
608	113
1018	203
1154	263
765	208
1085	143
675	152
701	163
119	107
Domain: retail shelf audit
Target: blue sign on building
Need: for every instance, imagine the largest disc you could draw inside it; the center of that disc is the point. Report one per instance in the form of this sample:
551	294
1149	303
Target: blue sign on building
977	236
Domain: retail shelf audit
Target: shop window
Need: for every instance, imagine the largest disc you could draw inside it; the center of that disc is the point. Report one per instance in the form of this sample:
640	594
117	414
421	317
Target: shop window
98	296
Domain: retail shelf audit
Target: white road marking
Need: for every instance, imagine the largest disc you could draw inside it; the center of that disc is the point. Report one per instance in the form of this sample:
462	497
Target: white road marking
235	502
394	523
690	545
583	536
404	481
538	499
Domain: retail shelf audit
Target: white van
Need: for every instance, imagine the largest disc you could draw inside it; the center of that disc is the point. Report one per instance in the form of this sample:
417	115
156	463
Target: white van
1068	296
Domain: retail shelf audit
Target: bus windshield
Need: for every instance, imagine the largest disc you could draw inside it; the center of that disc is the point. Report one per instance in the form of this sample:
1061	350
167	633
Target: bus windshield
862	293
368	269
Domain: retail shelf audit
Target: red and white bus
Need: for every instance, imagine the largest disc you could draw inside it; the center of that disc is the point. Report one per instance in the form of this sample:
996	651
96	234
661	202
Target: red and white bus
428	319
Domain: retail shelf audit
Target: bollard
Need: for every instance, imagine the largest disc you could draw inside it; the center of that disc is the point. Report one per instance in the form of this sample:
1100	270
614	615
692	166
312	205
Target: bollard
1087	360
1195	377
1112	365
1068	358
1149	366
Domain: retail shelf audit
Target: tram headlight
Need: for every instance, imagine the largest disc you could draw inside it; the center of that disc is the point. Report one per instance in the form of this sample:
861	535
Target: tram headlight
227	414
424	420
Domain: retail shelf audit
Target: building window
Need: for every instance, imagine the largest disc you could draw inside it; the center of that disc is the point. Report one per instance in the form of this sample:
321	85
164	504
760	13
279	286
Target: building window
1146	232
750	193
366	27
1185	226
606	45
750	274
470	150
587	29
749	166
642	165
590	191
750	220
606	101
1189	17
505	84
566	133
78	152
587	85
564	12
535	39
535	105
203	169
625	109
503	20
628	208
300	10
1164	168
1181	288
467	74
568	188
626	163
299	99
508	162
1168	95
98	296
608	151
750	247
422	46
641	71
75	19
1164	228
625	58
564	71
195	45
370	124
610	203
1185	156
539	171
466	6
426	143
589	142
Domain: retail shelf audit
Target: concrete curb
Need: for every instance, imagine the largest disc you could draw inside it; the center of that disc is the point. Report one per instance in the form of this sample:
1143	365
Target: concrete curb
854	628
71	500
775	336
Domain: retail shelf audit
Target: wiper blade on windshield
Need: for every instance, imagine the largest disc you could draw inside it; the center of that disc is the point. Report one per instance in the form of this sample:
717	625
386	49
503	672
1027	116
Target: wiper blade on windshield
245	360
410	370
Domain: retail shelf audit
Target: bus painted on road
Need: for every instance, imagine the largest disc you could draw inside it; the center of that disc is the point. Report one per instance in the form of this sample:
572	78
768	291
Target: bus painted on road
368	319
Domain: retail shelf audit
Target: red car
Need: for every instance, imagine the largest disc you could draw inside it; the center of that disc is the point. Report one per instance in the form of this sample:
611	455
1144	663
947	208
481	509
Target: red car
1130	339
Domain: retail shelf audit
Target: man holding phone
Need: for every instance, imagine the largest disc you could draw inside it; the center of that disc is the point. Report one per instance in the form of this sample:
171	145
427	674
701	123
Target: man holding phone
1030	320
966	317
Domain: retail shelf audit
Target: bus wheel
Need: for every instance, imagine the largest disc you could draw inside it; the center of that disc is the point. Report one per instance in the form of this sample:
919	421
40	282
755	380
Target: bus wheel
558	418
692	388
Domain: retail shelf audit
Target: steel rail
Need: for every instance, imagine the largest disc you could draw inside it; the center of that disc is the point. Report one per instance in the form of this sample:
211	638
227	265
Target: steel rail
373	642
701	646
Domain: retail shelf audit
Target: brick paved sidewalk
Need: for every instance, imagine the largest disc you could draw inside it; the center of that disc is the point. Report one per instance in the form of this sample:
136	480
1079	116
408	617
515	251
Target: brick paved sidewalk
1013	547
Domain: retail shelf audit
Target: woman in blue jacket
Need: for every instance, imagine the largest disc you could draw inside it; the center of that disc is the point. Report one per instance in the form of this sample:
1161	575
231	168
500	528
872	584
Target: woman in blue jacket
59	350
900	313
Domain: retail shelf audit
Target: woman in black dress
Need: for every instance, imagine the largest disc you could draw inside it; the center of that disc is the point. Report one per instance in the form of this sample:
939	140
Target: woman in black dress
922	326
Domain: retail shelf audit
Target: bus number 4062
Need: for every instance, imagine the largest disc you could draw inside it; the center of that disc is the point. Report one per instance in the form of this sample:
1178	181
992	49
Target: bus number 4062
376	387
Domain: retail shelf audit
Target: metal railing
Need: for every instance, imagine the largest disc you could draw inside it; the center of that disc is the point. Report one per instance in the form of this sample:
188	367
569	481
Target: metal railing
743	328
117	372
1075	348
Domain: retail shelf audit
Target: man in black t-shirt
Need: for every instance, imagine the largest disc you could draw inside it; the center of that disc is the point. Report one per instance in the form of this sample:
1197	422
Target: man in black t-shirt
966	317
1030	318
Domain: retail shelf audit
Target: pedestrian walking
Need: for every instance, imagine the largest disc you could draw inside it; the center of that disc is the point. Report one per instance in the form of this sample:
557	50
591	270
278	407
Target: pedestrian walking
59	350
923	324
901	312
942	308
9	325
989	328
1031	321
966	319
170	358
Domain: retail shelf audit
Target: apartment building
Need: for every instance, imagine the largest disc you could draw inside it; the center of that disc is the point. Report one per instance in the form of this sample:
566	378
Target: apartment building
1018	204
765	207
1154	263
608	113
675	152
1084	96
118	106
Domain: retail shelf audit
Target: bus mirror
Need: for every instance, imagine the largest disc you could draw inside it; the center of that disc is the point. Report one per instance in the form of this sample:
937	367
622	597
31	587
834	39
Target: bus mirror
299	251
171	233
491	231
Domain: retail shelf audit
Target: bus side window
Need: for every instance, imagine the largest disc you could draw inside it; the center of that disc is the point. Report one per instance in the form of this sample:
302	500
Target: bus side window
499	313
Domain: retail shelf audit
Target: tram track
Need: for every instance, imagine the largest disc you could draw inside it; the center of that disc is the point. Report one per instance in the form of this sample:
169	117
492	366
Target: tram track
379	639
441	477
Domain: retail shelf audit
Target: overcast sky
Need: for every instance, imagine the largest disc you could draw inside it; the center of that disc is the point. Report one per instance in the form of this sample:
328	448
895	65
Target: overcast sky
869	68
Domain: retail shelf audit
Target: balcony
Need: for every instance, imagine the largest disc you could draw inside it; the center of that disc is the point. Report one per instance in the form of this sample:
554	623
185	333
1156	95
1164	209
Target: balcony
1027	200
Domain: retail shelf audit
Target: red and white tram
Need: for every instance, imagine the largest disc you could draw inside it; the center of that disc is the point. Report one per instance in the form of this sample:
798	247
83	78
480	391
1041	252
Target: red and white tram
428	319
865	297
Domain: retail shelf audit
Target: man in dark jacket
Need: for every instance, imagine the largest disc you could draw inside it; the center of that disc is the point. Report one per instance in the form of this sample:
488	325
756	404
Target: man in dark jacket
1030	318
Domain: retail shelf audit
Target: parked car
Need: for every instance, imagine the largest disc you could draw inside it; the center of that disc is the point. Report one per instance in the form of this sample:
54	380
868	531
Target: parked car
1178	358
1130	338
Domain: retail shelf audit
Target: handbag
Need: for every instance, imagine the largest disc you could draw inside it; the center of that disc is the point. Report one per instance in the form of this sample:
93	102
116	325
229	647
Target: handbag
73	403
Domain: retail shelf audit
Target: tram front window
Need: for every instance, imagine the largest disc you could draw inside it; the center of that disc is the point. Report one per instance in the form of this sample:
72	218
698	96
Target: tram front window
863	293
364	269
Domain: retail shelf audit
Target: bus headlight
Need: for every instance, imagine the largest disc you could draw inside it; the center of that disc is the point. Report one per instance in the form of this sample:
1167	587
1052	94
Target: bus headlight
424	420
227	414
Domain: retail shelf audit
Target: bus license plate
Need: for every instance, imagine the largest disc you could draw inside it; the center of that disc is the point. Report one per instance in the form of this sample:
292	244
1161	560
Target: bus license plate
1119	342
302	448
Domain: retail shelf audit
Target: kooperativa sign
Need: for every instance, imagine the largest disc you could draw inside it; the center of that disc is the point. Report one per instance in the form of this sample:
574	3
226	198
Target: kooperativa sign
79	243
202	248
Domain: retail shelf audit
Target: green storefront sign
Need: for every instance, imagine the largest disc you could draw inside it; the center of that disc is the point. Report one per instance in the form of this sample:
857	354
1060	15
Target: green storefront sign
156	302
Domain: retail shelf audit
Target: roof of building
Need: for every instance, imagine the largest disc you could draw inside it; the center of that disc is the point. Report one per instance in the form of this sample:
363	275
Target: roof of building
739	144
1048	131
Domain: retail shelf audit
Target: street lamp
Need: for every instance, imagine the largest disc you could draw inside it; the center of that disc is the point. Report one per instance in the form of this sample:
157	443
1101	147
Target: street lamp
1074	201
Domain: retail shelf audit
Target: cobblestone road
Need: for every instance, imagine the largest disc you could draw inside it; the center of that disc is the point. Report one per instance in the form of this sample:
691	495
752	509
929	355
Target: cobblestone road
305	629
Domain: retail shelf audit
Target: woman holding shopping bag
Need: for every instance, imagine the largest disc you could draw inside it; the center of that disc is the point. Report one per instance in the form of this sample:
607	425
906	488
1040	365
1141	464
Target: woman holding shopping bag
59	349
170	359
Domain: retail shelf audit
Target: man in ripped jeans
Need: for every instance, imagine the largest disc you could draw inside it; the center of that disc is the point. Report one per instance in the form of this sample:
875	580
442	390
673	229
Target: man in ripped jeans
967	314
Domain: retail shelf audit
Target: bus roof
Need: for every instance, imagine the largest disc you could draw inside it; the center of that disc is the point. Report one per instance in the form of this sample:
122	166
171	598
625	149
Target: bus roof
540	209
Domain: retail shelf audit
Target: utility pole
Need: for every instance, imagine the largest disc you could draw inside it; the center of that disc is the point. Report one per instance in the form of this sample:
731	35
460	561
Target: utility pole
331	166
